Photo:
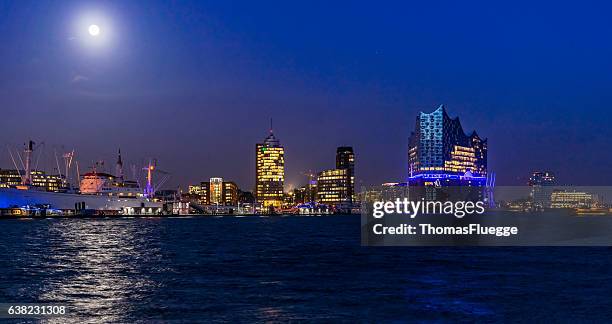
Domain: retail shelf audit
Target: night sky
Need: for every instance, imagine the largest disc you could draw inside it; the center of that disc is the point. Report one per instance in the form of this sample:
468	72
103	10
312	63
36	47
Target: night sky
194	83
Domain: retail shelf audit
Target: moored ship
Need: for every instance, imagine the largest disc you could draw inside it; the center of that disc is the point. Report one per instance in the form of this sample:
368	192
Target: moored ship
97	191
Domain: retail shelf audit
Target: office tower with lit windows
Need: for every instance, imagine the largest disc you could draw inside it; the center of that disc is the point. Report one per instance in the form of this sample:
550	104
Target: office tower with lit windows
345	159
333	187
270	172
441	154
541	183
216	190
337	186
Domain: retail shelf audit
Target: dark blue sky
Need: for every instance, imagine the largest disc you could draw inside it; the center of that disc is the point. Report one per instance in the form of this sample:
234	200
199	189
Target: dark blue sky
194	83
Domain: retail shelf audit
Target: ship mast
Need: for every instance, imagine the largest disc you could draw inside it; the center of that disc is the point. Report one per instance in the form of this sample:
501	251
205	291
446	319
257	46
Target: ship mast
67	165
119	168
149	190
27	179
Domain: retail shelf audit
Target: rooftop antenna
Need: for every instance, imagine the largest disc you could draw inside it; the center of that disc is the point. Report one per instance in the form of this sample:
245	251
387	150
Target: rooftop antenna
271	126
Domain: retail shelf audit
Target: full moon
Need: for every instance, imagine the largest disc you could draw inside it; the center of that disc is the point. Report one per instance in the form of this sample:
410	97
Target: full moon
94	30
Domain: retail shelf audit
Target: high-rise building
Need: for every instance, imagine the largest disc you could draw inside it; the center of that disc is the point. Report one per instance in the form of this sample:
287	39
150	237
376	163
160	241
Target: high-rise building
441	154
270	172
216	190
541	183
345	159
337	186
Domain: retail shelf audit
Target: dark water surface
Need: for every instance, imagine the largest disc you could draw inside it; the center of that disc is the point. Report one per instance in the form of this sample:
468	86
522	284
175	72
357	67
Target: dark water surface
288	269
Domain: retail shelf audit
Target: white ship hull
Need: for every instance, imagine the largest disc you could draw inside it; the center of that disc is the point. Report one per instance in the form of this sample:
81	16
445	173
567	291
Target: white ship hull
10	197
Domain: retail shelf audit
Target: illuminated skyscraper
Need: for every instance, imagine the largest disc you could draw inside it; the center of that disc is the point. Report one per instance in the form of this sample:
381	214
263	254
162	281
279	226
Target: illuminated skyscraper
337	186
441	154
270	172
345	159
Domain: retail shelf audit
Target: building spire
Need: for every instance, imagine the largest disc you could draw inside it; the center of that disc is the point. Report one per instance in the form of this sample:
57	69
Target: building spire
271	126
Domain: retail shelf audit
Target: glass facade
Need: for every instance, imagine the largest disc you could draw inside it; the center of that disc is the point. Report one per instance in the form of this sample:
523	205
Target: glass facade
337	186
333	187
345	159
270	172
441	153
216	190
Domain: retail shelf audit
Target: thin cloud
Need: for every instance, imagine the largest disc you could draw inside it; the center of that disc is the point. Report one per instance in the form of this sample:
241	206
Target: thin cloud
79	78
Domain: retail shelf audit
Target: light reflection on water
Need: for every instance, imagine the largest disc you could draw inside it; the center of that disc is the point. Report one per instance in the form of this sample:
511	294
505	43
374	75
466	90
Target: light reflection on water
284	269
100	267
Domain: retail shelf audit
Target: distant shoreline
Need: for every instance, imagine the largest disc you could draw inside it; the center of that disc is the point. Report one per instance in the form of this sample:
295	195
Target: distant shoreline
168	216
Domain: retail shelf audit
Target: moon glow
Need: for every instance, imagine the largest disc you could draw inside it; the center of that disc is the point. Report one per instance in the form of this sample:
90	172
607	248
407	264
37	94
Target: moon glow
94	30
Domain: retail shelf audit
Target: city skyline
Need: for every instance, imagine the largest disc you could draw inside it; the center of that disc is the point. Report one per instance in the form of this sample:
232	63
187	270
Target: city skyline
195	86
109	167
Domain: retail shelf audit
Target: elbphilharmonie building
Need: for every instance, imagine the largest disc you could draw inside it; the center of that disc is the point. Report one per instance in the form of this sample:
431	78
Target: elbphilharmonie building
441	154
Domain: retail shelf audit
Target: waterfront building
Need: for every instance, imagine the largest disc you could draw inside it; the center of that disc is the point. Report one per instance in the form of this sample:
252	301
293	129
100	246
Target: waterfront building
245	197
337	186
573	199
305	194
195	190
333	187
230	193
270	172
345	159
11	178
441	154
289	199
541	183
52	183
215	192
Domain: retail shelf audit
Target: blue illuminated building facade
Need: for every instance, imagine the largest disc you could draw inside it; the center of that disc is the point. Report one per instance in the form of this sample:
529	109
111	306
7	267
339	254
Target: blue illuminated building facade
440	154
